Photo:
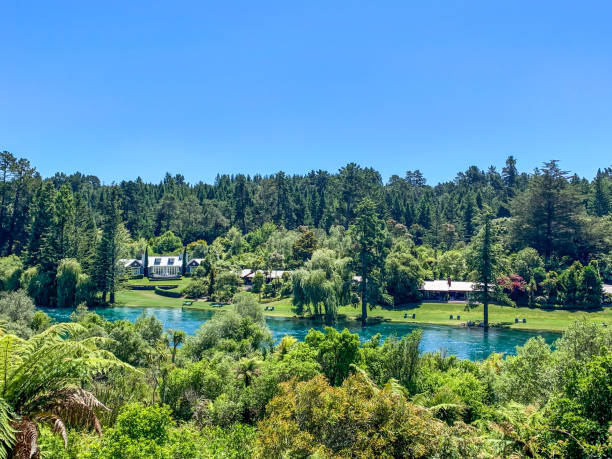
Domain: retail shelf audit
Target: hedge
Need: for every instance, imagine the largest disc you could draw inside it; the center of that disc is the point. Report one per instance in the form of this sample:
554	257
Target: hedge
168	293
141	287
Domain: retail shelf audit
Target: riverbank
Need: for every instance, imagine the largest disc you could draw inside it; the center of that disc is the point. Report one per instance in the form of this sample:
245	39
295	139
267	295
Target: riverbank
425	313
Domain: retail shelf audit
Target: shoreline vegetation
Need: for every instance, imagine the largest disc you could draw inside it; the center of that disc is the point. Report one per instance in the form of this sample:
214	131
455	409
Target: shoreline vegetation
425	312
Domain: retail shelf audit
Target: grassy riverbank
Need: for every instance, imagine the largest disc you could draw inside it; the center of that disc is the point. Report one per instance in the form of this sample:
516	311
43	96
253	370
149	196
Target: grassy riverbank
430	313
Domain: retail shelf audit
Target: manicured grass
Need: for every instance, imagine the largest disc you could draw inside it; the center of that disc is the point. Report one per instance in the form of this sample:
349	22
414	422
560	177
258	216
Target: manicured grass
145	281
432	313
148	298
439	313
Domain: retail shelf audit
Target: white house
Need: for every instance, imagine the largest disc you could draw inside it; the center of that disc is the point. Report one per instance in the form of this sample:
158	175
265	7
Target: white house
165	266
447	289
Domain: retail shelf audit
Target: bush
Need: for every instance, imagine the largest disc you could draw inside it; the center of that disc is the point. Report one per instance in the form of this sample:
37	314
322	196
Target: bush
196	288
10	272
168	293
142	287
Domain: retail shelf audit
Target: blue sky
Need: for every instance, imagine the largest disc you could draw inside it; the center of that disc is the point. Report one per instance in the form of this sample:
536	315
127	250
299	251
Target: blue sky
126	89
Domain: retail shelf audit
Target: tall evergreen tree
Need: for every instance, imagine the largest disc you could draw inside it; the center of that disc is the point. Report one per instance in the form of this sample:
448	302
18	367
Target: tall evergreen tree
468	218
509	176
109	249
369	233
146	262
601	198
43	214
86	234
483	260
65	219
184	261
546	215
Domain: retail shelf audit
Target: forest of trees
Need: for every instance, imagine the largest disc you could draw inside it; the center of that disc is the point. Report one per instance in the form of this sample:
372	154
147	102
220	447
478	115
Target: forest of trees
542	238
538	239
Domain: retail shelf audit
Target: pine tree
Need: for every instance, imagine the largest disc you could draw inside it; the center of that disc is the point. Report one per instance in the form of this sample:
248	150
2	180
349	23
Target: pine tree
468	218
65	218
146	262
184	261
601	199
86	234
509	176
109	249
483	260
43	214
369	232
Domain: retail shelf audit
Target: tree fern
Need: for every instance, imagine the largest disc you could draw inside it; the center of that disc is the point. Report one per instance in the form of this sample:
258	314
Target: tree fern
40	382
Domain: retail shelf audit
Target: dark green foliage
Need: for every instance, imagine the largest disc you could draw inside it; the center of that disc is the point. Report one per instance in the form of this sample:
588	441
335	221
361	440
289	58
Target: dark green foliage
168	293
304	246
369	233
335	352
106	273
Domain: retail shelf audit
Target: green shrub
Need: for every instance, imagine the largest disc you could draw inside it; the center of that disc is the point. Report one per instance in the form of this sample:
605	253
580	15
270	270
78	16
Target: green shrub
168	293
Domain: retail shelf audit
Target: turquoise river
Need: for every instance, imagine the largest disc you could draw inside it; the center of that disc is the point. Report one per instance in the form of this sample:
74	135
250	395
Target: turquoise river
466	343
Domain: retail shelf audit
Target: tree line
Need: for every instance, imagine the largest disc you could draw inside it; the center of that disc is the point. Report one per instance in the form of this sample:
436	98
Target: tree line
538	238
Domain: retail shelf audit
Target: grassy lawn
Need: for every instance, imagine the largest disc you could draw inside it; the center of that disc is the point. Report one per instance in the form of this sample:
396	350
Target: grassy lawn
432	313
180	282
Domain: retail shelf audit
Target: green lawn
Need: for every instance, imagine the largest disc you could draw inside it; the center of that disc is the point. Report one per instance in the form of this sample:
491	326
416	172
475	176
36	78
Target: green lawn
432	313
181	282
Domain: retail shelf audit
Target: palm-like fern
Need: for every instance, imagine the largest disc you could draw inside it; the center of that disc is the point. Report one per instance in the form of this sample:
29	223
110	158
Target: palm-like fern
40	382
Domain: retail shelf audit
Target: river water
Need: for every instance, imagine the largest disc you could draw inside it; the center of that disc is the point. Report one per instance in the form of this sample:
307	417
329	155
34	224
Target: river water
466	343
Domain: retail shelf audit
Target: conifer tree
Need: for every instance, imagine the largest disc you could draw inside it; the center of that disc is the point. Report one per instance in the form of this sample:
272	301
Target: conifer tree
43	214
601	199
109	249
369	232
146	262
184	261
86	234
483	260
65	218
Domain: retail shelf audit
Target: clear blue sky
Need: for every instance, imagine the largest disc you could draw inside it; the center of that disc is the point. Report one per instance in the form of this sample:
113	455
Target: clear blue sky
127	88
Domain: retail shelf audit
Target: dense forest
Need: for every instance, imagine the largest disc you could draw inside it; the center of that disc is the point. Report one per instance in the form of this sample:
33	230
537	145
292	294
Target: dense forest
93	388
542	238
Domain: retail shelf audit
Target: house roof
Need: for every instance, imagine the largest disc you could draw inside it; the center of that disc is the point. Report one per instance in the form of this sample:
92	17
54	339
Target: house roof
442	286
274	274
195	262
165	261
130	262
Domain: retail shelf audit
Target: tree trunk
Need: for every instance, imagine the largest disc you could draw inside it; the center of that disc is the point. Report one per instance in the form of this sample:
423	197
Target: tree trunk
364	304
486	306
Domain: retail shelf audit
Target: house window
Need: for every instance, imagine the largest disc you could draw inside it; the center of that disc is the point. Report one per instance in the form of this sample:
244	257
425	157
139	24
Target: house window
170	261
157	261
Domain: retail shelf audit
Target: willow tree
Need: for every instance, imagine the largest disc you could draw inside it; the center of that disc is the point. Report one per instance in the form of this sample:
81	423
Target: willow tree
324	282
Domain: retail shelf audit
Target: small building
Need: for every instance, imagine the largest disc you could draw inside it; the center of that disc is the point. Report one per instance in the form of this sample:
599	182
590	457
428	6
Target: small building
193	264
447	290
248	274
607	293
132	266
